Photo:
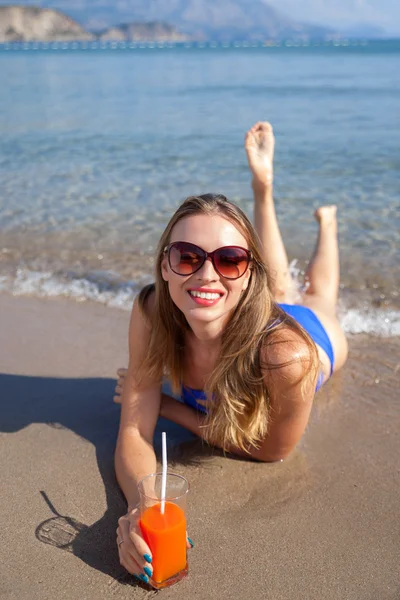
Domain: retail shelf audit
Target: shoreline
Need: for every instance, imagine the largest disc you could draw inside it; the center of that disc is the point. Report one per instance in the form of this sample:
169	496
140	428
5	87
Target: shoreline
322	525
359	313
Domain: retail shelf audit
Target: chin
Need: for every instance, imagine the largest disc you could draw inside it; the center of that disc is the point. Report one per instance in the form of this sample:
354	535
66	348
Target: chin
206	315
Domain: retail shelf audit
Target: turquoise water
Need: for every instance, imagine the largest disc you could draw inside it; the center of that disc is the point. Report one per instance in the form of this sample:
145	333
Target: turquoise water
97	147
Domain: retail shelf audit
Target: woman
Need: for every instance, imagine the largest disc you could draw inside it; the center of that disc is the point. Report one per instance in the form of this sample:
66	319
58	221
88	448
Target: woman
219	324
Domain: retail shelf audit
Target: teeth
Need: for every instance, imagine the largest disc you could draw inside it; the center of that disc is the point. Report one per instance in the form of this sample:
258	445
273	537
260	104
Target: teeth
204	295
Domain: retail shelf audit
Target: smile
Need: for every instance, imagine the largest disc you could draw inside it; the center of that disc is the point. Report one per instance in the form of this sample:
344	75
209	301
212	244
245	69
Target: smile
205	295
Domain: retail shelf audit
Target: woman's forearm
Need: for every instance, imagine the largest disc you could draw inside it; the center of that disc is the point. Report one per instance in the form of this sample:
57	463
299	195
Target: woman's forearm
191	419
181	414
134	459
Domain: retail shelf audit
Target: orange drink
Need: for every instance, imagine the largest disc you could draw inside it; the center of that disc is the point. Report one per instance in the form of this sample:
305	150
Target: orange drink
165	535
163	526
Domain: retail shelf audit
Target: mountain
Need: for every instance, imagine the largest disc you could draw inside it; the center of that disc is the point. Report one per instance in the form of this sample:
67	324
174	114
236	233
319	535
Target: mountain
208	19
154	31
18	23
200	19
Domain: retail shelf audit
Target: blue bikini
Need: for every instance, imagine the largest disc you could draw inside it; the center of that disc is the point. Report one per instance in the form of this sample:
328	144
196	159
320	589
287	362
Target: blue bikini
310	323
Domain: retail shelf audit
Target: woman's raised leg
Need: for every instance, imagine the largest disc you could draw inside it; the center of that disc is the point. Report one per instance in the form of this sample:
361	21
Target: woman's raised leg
322	274
322	279
259	144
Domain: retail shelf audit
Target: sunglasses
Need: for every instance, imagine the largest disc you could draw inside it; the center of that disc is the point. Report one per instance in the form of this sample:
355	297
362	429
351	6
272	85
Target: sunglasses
230	262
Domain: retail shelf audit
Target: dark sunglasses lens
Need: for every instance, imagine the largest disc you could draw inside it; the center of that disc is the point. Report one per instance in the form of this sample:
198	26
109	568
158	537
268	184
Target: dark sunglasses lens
185	259
231	262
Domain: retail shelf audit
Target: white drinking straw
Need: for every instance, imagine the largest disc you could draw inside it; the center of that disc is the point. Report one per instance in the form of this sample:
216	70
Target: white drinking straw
164	471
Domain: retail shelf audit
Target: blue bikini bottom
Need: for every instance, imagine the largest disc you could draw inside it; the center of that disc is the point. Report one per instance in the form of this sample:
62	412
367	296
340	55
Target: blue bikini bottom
310	323
313	326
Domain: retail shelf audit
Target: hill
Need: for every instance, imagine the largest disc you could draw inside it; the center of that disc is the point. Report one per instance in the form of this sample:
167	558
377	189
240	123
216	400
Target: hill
19	23
153	31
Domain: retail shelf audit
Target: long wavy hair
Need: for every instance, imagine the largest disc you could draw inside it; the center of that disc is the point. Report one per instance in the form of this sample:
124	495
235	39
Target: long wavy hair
237	397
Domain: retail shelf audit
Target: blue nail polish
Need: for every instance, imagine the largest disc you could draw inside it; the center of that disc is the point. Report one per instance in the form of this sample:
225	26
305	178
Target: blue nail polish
147	571
144	578
190	542
147	557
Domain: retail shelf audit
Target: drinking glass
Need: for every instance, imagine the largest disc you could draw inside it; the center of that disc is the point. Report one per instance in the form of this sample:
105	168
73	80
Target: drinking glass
163	526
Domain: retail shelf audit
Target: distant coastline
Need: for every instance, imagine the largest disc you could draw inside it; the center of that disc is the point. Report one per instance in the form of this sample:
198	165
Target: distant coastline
32	24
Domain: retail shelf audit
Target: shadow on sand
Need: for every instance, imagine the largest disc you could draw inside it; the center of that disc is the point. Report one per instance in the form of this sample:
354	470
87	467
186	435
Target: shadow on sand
85	407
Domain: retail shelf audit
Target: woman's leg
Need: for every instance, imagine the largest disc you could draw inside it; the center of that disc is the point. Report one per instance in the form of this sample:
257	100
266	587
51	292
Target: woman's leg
259	146
322	277
322	274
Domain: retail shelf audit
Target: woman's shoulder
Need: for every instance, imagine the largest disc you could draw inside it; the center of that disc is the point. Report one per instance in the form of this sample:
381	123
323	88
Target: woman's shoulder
286	354
146	301
142	312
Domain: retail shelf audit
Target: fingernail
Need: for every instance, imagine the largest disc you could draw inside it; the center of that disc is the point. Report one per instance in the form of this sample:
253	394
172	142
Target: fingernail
190	542
147	571
144	578
147	557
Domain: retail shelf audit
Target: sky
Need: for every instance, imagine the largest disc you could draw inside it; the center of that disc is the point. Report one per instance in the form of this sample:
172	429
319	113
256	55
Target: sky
335	13
347	13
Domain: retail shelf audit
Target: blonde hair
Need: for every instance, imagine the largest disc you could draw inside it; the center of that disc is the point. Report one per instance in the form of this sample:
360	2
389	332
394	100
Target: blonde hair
238	399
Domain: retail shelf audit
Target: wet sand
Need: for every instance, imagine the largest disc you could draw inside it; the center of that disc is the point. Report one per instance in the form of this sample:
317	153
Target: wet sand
322	525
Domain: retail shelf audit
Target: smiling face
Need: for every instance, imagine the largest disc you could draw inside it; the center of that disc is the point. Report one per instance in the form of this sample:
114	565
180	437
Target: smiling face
209	232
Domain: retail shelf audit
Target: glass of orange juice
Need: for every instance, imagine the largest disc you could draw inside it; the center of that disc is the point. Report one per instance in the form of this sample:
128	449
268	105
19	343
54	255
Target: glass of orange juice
163	526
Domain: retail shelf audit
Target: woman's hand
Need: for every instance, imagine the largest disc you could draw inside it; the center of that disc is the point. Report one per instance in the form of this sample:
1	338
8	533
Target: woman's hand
134	553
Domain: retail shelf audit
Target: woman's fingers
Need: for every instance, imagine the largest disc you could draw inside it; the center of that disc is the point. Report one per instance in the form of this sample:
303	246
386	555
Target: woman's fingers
119	388
125	552
129	563
130	555
143	552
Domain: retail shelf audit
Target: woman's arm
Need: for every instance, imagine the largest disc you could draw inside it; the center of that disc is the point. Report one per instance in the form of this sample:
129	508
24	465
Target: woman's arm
291	392
190	418
134	455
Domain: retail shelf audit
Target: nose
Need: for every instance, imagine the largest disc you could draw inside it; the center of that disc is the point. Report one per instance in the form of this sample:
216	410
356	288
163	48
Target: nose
207	271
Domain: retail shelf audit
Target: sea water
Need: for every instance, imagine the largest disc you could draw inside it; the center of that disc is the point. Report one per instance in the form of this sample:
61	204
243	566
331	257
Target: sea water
98	146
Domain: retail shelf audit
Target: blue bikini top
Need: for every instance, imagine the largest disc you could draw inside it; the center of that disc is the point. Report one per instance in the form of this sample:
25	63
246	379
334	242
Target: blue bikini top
190	397
308	320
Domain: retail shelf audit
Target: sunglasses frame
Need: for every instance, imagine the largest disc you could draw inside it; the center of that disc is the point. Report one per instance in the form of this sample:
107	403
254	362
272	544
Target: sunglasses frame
207	255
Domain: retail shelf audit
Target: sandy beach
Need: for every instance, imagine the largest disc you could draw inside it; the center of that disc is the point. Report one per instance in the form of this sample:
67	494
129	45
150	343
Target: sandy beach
323	525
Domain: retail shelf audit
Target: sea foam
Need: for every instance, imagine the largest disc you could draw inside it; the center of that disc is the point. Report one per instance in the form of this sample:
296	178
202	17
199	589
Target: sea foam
374	321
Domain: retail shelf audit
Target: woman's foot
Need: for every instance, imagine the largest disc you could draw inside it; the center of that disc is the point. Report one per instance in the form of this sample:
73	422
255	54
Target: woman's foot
326	215
259	145
120	385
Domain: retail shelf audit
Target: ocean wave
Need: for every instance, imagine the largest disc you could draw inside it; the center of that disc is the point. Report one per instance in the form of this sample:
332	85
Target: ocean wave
105	290
384	323
109	289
